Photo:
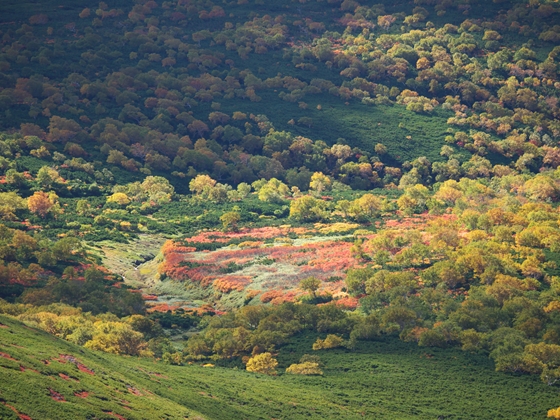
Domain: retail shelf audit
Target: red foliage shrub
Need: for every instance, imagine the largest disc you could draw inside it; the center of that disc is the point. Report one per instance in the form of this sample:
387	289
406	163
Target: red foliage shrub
347	302
228	283
270	295
162	307
39	19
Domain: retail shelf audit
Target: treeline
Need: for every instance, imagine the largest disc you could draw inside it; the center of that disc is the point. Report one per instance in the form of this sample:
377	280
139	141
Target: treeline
134	335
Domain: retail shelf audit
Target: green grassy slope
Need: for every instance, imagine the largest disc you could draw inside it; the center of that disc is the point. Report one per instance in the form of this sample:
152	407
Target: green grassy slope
387	380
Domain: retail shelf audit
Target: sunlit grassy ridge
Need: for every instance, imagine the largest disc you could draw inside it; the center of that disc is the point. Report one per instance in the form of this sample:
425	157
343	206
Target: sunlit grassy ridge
385	379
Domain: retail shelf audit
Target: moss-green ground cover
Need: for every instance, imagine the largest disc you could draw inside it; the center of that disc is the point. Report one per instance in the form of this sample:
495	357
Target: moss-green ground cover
382	380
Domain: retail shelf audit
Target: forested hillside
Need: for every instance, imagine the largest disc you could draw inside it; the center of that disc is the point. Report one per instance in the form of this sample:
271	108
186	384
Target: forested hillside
217	182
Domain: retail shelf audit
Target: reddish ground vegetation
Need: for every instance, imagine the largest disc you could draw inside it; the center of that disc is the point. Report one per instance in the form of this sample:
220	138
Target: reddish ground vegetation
163	307
272	269
415	222
229	283
321	259
20	415
63	358
57	396
270	295
115	415
347	302
23	369
6	356
85	369
268	232
134	391
81	394
289	296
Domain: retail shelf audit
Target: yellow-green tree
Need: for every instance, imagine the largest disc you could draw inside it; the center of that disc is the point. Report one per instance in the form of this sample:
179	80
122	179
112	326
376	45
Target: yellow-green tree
307	208
201	184
274	191
47	177
320	182
10	202
119	198
332	341
306	368
116	337
367	205
262	363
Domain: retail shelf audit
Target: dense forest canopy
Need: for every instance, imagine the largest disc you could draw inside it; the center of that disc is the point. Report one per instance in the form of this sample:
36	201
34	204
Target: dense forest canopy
208	181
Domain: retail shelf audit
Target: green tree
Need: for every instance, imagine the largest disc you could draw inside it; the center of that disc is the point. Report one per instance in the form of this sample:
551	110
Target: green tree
230	220
158	189
47	177
82	207
310	284
10	203
201	185
308	208
274	191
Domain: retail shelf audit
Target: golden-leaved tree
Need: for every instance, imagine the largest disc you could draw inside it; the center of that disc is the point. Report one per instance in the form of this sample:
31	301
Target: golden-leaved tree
262	363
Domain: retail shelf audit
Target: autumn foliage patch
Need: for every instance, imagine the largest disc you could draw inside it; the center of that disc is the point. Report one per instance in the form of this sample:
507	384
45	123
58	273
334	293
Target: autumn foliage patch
281	264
